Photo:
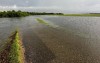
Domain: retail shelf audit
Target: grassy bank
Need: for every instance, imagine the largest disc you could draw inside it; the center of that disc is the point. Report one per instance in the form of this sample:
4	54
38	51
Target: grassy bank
13	52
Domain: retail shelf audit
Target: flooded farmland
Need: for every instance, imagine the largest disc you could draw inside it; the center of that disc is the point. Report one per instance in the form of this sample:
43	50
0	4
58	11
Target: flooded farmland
66	40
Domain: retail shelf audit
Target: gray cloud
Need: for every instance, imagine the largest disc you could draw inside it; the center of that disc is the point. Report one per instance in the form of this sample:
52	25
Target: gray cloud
67	6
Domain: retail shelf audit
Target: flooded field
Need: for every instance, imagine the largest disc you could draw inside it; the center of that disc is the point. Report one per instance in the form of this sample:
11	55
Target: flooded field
66	39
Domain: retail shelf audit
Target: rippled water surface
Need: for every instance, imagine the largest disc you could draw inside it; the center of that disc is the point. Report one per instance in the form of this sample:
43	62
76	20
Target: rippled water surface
66	39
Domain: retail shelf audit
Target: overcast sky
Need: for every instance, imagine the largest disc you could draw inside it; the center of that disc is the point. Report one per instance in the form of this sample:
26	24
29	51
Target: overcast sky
67	6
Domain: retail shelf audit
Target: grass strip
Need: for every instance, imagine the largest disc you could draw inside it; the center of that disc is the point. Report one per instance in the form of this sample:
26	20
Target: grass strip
45	23
16	52
13	52
41	21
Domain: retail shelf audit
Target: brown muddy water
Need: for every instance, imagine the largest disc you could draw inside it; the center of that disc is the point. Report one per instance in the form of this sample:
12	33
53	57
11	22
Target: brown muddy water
65	40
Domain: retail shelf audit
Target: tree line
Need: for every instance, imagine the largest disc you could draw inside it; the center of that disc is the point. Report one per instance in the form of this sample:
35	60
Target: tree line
44	13
19	13
13	13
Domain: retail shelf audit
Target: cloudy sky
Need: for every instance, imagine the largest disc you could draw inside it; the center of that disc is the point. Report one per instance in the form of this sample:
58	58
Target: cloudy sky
66	6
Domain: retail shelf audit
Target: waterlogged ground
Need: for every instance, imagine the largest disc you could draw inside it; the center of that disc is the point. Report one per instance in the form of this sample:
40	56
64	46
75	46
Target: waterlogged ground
64	40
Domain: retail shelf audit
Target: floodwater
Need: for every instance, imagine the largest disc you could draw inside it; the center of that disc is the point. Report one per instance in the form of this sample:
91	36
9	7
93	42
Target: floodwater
67	39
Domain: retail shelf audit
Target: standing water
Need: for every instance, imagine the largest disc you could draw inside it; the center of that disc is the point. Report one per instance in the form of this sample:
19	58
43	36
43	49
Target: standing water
74	40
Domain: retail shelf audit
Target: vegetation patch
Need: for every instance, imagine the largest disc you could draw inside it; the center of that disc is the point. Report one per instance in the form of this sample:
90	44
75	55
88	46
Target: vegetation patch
42	21
13	52
48	24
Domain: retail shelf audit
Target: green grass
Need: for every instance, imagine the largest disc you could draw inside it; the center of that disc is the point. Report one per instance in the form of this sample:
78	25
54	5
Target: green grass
15	55
47	24
42	21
